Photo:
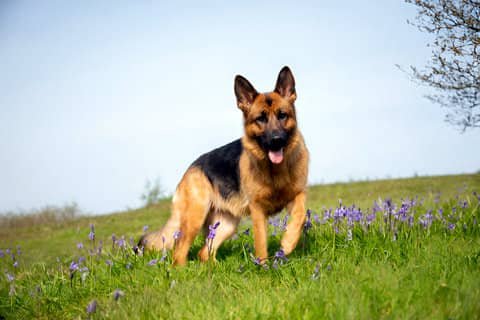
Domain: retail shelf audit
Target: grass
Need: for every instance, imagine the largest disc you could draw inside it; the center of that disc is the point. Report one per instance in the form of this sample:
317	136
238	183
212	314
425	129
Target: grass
384	269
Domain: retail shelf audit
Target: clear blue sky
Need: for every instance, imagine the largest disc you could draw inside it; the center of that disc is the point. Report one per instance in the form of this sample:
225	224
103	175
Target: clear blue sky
98	96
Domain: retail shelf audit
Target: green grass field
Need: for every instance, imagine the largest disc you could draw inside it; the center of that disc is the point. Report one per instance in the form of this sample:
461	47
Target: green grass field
417	257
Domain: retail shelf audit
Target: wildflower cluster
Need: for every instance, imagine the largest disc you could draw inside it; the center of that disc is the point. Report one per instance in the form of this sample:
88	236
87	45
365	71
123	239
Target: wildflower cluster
392	218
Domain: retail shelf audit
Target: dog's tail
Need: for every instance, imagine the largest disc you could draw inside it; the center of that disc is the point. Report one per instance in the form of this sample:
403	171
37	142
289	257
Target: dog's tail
163	239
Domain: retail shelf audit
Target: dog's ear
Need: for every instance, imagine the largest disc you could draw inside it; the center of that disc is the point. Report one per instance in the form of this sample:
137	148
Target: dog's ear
286	84
245	93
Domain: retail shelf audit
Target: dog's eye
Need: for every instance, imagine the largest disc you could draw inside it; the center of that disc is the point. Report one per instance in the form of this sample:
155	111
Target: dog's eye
262	118
282	115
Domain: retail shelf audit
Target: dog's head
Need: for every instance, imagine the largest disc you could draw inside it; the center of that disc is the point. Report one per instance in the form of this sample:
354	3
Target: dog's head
269	118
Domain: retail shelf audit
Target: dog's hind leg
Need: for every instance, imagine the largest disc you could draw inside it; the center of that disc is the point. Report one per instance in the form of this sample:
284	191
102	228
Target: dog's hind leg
225	229
192	202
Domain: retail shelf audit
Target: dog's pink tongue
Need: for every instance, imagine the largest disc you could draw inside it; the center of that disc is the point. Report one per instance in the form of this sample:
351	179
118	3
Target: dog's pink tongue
276	156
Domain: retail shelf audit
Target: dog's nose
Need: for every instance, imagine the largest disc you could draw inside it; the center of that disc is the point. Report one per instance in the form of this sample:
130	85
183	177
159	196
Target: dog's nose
278	142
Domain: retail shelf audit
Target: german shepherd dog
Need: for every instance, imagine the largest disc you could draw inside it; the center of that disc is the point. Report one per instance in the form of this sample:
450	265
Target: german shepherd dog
257	175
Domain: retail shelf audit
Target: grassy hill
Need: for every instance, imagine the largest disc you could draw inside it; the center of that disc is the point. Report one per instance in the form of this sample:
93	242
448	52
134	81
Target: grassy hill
386	261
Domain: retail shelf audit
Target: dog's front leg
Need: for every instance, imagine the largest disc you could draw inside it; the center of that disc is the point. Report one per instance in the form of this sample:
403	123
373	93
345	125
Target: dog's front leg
296	208
259	220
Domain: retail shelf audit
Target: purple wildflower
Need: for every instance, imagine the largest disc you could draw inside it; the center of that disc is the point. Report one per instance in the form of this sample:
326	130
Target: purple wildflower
426	219
440	213
73	266
275	222
79	246
370	217
92	307
451	226
402	214
316	218
91	235
308	223
411	220
376	208
464	205
19	251
10	253
339	213
114	238
145	228
100	247
81	260
15	264
109	262
2	254
164	256
280	256
212	232
10	277
121	243
117	294
128	266
388	204
246	232
153	262
177	234
256	261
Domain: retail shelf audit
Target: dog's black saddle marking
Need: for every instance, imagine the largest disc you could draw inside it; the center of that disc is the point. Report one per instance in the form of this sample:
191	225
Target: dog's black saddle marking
221	166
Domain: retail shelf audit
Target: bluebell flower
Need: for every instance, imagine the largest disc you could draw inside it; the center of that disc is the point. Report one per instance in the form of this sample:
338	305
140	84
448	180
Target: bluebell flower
10	277
92	307
91	235
280	256
177	235
153	262
308	223
212	230
73	266
117	294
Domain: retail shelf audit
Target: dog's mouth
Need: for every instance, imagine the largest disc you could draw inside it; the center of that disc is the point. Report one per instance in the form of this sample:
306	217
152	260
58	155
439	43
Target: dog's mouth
276	157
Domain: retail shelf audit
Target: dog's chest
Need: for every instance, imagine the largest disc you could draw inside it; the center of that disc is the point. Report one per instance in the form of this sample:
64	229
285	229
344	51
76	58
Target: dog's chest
274	191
